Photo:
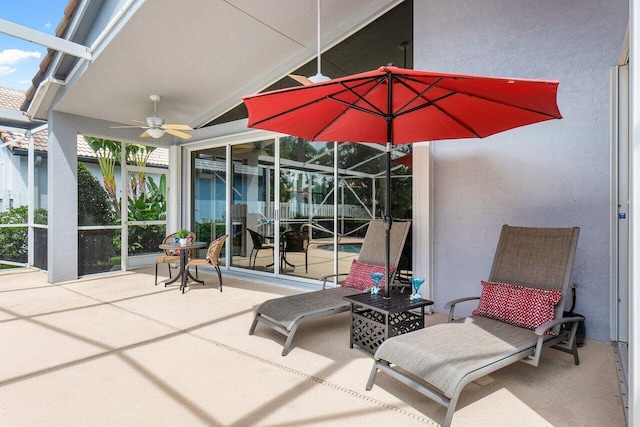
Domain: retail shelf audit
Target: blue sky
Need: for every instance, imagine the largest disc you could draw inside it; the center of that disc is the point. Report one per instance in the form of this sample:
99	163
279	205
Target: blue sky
19	59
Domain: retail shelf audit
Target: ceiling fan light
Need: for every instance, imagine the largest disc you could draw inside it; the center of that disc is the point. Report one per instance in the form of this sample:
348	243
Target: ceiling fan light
155	132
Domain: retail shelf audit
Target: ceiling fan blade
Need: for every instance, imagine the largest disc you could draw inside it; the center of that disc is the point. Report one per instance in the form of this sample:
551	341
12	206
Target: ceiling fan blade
301	79
178	127
144	134
126	127
140	121
178	133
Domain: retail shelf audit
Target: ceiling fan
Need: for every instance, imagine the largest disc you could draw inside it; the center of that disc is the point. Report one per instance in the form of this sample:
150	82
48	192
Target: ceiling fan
155	126
318	78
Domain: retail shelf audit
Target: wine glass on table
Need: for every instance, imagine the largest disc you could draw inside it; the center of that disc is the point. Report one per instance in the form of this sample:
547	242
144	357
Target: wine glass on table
416	282
377	277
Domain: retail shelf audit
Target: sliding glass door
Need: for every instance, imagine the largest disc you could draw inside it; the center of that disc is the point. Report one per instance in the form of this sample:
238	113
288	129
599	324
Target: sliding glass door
293	207
210	195
252	210
306	226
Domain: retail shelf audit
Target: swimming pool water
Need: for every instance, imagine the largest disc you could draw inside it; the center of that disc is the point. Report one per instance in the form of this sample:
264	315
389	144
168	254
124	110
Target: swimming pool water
352	248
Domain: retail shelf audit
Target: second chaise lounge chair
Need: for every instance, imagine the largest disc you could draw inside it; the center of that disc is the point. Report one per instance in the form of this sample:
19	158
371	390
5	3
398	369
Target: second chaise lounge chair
285	314
520	305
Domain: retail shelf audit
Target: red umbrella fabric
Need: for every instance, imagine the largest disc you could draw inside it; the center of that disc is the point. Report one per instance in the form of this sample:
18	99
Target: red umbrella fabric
425	106
394	105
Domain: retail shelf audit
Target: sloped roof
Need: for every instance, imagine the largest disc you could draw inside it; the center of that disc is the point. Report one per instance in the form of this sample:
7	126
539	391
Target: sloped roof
61	29
11	99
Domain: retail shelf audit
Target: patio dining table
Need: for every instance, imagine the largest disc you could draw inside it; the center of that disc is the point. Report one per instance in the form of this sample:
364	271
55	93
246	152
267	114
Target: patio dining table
184	258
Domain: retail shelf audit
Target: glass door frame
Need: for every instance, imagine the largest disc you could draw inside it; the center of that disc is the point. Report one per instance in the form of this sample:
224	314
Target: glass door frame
228	142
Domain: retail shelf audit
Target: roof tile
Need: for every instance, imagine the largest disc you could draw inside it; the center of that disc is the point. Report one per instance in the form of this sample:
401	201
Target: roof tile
11	99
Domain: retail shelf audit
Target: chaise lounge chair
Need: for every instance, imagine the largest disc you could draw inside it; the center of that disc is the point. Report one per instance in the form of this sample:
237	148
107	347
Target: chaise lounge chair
285	314
531	265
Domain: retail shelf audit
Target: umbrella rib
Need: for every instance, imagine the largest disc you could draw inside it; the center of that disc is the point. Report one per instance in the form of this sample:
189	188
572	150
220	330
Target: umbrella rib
429	103
362	98
275	116
418	95
350	105
484	98
433	103
359	108
530	110
332	97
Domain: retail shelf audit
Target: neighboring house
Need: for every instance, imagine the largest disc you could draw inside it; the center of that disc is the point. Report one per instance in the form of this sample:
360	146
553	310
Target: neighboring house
13	158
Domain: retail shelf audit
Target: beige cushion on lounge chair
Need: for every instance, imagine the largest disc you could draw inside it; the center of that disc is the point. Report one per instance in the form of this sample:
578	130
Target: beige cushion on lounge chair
440	353
304	305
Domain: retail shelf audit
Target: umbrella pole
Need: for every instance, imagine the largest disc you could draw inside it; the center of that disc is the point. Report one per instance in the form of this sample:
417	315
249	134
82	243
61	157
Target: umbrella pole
387	226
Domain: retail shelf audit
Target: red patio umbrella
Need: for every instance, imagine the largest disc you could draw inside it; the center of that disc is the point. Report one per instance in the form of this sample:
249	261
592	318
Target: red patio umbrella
394	105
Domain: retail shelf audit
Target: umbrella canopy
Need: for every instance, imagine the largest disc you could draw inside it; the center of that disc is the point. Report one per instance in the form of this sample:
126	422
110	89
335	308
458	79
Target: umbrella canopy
418	106
394	105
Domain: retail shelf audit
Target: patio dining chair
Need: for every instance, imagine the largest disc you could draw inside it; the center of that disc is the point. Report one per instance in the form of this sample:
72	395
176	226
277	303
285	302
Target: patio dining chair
212	259
258	245
171	256
285	314
520	312
295	241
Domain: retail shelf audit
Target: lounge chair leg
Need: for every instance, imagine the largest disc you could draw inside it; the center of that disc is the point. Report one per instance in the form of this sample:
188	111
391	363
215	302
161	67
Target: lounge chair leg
156	280
287	343
254	324
450	410
372	376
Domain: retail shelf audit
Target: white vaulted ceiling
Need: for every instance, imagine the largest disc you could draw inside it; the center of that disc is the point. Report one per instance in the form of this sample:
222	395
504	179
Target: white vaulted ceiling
202	56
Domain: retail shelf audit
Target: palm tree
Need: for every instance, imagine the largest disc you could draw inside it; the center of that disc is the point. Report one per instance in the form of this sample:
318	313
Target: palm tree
107	153
139	155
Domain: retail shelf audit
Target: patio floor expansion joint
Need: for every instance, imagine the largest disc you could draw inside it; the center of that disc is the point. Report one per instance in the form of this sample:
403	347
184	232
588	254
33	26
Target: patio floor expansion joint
325	383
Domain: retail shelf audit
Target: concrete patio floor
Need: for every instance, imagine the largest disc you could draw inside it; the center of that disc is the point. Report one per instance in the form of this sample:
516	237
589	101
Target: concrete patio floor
116	350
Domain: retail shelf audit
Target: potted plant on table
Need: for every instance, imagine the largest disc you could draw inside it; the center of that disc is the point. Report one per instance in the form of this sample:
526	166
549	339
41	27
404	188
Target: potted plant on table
182	235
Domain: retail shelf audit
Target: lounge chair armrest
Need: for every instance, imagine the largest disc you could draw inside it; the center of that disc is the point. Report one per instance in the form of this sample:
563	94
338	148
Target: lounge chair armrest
324	278
540	330
451	305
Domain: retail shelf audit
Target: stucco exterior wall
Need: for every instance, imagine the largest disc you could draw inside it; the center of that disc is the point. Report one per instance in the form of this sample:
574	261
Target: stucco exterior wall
552	174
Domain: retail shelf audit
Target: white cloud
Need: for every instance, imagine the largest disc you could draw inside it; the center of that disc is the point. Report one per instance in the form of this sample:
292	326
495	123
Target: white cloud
13	56
48	25
5	71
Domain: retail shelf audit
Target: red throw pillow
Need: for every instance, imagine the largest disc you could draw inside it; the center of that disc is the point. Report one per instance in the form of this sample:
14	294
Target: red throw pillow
517	305
359	275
